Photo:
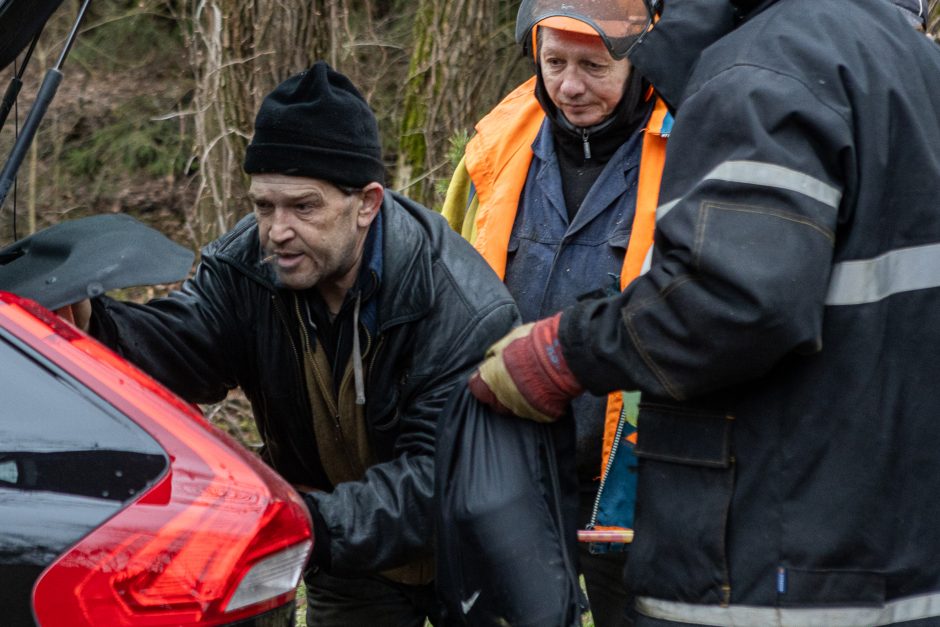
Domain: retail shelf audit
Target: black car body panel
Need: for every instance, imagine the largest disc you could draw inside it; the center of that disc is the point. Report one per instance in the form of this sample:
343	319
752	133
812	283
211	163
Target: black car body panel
84	258
68	462
20	22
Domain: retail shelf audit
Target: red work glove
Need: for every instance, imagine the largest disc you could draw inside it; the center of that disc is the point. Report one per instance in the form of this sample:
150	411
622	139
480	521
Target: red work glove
525	373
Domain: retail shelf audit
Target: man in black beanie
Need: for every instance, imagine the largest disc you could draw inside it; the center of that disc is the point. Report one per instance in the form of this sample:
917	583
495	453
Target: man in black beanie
346	313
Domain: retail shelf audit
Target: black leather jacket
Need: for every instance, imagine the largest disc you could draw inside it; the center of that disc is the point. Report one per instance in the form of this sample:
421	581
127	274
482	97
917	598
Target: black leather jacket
440	307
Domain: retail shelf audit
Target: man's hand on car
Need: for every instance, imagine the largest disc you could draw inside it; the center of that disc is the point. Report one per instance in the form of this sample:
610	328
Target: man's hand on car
78	314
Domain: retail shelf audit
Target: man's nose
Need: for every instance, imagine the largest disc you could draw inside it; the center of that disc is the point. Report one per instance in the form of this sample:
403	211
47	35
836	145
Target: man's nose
281	225
571	82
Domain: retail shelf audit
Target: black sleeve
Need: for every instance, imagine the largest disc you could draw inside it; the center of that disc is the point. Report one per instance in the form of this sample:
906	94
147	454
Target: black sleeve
753	186
186	340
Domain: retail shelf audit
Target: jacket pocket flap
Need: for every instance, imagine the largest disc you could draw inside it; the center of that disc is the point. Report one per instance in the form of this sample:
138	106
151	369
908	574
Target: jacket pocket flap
671	434
619	240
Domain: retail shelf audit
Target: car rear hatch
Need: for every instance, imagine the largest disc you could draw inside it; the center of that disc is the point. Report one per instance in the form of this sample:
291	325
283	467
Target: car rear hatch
214	537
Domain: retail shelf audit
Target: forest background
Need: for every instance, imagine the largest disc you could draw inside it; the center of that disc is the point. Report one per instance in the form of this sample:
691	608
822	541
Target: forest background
159	96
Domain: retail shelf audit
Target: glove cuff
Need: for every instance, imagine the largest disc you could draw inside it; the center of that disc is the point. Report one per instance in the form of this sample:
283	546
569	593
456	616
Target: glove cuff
547	348
539	371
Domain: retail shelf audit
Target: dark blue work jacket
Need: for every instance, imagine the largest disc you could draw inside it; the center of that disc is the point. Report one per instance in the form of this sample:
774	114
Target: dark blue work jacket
552	262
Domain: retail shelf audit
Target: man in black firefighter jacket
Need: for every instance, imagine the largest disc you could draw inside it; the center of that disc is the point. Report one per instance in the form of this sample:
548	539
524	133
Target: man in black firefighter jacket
785	338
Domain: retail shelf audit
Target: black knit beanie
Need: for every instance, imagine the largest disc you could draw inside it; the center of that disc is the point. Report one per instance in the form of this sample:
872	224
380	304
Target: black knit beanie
317	124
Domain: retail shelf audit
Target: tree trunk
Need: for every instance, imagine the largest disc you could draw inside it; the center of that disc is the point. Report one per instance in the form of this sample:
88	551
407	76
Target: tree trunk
933	19
239	50
463	59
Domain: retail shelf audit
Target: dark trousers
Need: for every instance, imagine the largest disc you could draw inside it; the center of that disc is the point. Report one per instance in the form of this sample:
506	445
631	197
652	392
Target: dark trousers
645	621
334	601
611	604
610	600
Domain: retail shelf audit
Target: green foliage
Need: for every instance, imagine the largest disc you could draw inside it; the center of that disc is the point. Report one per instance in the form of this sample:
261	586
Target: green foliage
123	34
301	616
115	138
128	141
457	144
933	18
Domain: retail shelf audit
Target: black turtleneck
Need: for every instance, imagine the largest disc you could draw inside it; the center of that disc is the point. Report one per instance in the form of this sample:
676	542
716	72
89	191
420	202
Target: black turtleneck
584	151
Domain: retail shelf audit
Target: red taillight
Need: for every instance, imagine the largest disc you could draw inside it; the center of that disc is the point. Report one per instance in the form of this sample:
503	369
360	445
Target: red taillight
219	538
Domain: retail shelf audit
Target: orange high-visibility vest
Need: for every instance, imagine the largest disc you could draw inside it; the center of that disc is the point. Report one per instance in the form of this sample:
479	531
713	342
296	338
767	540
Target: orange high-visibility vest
497	161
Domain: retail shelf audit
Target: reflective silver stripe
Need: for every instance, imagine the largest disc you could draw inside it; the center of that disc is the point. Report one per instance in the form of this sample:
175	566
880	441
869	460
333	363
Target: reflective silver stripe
662	210
647	261
871	280
907	609
768	175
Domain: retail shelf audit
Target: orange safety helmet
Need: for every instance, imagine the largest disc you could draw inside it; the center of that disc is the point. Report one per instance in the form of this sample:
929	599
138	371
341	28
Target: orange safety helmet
619	23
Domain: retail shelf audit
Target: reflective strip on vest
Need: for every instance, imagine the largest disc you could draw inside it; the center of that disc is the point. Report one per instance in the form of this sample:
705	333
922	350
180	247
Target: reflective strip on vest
898	611
768	175
871	280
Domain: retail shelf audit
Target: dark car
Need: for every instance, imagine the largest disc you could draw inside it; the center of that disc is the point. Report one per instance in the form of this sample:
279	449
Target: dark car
120	504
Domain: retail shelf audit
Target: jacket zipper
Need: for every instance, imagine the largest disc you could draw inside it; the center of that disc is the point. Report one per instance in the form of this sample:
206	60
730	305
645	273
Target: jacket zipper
328	396
375	354
277	307
610	462
368	345
369	339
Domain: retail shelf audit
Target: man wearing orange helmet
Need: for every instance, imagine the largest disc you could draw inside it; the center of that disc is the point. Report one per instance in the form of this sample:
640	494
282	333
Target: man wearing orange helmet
557	190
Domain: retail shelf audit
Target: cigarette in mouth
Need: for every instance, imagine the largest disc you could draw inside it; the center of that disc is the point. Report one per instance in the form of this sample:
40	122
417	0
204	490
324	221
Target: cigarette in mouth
269	258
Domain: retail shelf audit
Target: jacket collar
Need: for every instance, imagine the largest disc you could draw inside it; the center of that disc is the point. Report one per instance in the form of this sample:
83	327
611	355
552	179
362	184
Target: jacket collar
667	54
406	290
747	8
241	248
610	184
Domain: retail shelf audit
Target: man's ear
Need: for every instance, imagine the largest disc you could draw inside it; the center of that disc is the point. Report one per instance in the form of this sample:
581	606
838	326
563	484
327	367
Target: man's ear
372	195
